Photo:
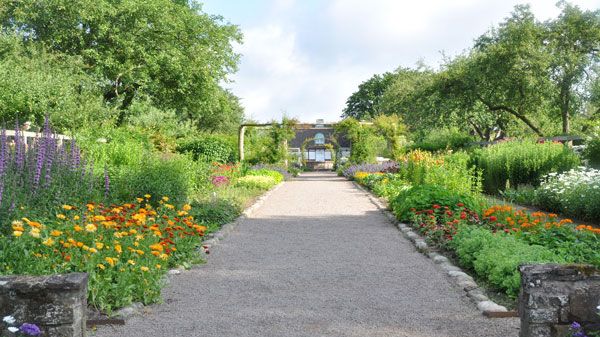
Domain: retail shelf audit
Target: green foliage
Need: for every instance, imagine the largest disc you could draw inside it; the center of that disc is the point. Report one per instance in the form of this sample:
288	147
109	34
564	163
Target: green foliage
522	195
421	197
269	147
259	182
439	139
363	104
521	163
496	257
216	212
209	148
35	84
277	176
452	171
364	141
393	130
168	51
592	152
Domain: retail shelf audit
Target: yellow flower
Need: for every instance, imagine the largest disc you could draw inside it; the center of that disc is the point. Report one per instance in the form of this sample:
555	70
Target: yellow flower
17	225
77	228
76	217
110	261
118	248
56	233
131	262
163	257
187	207
147	196
181	213
93	250
90	227
48	242
143	268
85	247
99	245
17	233
157	247
139	200
158	266
169	206
98	218
101	266
165	198
35	232
61	216
67	207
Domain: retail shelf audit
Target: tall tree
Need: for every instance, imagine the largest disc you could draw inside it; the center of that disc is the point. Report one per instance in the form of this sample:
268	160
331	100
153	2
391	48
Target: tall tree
167	50
364	103
574	43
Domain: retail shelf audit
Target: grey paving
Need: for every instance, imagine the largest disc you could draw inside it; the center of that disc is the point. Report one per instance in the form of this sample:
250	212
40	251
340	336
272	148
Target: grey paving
317	259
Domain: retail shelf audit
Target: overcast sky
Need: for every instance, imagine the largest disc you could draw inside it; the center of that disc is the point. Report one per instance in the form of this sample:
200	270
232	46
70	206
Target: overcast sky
305	57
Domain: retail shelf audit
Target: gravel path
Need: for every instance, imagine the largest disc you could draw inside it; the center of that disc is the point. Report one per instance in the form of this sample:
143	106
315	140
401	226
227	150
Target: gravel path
317	259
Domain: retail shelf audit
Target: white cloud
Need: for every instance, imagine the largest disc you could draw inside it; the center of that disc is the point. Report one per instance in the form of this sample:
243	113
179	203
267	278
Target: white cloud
306	57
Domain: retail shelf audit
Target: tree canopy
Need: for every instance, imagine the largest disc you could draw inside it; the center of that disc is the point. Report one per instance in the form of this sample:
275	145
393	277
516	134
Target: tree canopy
168	52
521	77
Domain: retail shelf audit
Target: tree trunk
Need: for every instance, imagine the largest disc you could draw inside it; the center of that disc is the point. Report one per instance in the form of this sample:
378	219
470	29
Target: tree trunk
565	102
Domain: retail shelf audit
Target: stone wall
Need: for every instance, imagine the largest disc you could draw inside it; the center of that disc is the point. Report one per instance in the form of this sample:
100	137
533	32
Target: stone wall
56	303
553	296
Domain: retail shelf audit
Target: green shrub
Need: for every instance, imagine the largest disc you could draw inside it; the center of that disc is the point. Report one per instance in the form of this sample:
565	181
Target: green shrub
209	148
521	163
277	176
496	257
215	212
260	182
422	197
443	139
592	152
158	175
114	147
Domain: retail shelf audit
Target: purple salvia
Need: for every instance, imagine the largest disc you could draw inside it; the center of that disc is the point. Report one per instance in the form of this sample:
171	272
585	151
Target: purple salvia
106	182
41	157
3	154
1	190
51	151
19	147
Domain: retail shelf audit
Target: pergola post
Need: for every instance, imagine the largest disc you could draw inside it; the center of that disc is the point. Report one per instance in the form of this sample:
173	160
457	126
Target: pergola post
241	133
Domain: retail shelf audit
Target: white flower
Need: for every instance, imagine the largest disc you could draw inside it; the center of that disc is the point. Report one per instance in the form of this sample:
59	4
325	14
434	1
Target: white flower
9	320
13	329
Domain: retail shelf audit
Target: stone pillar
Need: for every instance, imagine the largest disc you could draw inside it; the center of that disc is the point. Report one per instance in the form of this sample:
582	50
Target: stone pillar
55	303
553	296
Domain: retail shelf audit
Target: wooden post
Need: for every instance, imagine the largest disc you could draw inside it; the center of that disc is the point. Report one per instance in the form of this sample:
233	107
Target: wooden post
241	141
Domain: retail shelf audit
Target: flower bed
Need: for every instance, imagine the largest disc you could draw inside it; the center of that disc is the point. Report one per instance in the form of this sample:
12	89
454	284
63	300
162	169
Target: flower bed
491	241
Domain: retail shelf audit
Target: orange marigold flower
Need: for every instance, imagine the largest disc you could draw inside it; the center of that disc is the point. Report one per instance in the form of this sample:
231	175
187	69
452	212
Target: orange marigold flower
77	228
56	233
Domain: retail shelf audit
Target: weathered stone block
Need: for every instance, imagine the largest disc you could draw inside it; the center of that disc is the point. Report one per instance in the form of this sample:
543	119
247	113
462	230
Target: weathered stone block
56	303
552	296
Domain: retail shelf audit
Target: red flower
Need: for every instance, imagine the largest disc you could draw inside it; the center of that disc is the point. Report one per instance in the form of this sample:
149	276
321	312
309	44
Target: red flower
460	204
436	206
493	218
463	215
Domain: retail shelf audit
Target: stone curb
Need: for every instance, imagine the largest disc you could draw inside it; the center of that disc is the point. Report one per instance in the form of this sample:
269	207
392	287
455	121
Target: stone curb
136	309
460	278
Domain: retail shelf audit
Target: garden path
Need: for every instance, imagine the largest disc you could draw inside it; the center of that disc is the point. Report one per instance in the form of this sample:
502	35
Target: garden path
317	259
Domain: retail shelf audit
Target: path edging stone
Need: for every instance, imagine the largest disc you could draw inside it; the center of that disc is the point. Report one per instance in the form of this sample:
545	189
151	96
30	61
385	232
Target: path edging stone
463	280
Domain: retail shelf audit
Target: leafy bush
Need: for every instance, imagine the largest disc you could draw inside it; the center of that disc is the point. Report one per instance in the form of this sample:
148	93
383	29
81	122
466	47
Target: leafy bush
350	170
276	175
592	152
114	147
522	195
209	148
521	163
443	139
496	257
215	212
452	171
422	197
260	182
575	193
158	175
287	174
